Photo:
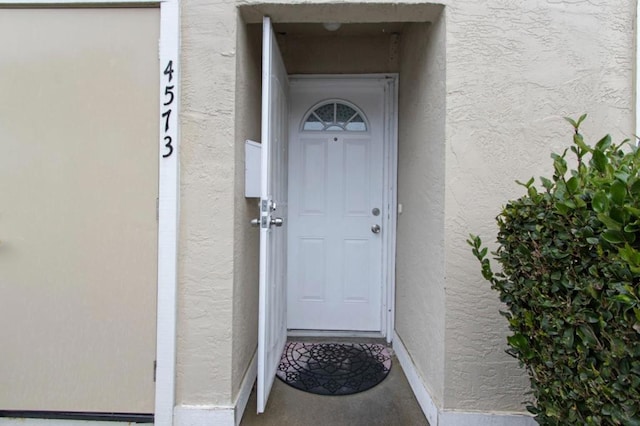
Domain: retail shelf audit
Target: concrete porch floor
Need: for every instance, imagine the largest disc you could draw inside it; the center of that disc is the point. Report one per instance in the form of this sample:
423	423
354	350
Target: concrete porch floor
389	403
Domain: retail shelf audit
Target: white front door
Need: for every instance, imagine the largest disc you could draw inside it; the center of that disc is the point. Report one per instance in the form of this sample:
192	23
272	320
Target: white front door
336	204
272	327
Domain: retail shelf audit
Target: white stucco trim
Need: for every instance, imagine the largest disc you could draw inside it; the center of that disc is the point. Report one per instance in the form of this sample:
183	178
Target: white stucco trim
11	421
245	388
81	3
439	417
458	418
199	415
168	199
428	406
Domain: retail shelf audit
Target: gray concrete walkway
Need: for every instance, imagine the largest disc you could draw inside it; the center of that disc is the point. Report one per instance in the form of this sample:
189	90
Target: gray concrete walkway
391	403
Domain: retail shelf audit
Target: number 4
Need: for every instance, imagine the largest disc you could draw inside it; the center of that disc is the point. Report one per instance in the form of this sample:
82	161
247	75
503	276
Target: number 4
169	70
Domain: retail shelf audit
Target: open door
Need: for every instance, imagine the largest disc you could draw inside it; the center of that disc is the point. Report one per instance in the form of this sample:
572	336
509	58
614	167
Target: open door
272	327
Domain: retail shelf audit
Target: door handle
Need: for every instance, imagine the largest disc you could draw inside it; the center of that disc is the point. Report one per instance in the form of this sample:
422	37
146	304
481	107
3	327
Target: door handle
375	229
276	221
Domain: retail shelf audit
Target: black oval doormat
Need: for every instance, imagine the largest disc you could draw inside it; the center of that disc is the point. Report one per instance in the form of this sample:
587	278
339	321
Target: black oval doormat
333	368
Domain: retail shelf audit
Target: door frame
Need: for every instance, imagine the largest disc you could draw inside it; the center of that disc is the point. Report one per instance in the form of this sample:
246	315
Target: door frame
389	195
168	188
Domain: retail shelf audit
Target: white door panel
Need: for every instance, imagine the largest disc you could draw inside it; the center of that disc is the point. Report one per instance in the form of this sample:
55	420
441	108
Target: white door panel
334	266
272	328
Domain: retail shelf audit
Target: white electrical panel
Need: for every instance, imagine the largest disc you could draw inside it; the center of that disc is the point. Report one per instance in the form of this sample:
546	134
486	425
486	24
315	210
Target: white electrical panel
252	164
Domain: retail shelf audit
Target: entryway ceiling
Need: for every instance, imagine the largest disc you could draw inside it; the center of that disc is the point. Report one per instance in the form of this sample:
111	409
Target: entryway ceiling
348	29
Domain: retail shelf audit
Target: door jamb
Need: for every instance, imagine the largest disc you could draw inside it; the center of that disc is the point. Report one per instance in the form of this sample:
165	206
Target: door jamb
168	191
390	190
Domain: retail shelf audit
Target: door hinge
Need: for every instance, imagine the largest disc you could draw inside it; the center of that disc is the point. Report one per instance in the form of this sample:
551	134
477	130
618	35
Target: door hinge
155	369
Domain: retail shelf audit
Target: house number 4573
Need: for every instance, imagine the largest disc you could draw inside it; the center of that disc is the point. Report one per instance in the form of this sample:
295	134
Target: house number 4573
169	97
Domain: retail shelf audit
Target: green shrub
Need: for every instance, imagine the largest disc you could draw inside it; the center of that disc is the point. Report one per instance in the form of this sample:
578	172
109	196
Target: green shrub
570	259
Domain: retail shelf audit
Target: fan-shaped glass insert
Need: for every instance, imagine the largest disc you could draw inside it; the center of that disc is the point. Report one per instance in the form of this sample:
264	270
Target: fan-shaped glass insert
335	116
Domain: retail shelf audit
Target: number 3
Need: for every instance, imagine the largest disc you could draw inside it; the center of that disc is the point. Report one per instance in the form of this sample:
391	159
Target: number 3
168	145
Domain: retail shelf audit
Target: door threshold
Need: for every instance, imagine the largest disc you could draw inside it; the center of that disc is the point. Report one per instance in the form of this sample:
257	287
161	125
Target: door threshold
335	333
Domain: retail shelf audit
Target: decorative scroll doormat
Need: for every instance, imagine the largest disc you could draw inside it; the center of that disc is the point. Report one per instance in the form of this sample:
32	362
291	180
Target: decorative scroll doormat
333	368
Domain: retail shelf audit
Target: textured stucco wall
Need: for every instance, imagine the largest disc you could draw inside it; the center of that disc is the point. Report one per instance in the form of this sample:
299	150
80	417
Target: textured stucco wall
420	298
513	69
207	164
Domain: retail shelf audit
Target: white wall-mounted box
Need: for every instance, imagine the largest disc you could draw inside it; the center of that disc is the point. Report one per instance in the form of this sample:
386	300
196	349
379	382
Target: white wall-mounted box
252	164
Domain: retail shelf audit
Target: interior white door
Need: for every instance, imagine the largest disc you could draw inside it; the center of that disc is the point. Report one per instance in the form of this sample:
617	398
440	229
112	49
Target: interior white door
335	211
78	187
272	328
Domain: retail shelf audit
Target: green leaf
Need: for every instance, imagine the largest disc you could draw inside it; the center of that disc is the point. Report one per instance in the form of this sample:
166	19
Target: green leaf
562	208
600	202
572	185
612	236
568	337
618	192
600	160
587	335
622	176
520	342
560	166
526	185
623	298
604	143
546	183
630	255
577	139
572	122
634	211
609	222
581	119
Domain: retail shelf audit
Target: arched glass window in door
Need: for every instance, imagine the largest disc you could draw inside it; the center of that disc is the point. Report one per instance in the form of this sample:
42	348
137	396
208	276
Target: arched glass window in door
332	116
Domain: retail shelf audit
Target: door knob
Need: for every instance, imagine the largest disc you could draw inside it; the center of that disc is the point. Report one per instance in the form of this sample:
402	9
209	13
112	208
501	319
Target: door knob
375	229
277	221
255	222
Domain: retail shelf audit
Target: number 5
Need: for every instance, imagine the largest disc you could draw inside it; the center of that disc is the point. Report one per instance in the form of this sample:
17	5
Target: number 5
168	91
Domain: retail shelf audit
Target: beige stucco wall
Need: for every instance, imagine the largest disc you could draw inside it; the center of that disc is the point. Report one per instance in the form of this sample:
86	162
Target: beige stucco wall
513	69
420	297
207	171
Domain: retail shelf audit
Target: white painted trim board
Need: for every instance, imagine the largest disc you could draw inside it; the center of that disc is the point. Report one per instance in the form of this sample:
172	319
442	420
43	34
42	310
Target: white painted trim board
12	421
439	417
168	219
